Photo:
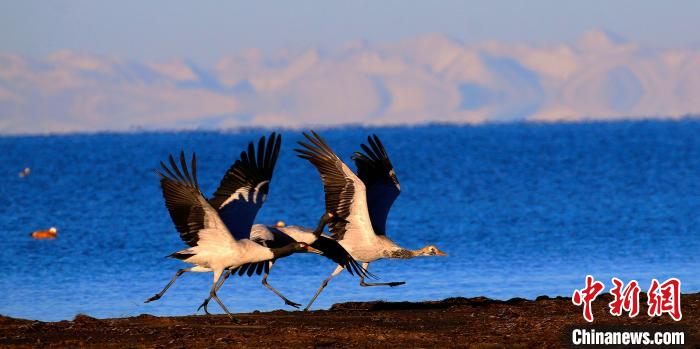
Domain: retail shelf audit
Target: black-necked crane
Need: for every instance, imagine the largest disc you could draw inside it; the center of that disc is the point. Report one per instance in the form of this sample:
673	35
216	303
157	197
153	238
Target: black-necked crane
212	247
241	194
361	204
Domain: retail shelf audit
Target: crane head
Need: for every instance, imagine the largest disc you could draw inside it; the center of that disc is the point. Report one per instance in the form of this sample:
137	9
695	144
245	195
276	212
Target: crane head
431	250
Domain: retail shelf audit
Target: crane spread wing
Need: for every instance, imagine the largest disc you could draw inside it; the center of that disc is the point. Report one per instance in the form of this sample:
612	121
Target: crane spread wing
269	237
273	237
334	251
197	222
375	170
344	192
245	186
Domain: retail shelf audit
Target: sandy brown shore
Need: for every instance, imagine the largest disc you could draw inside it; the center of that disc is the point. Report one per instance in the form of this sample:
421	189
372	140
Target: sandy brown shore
454	322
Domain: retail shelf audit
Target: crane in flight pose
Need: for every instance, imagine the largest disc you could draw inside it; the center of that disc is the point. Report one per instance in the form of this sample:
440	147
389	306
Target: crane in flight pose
361	202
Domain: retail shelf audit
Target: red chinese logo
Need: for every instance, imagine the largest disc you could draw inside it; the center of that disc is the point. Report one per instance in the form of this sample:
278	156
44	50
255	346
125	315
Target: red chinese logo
662	298
665	298
587	295
626	299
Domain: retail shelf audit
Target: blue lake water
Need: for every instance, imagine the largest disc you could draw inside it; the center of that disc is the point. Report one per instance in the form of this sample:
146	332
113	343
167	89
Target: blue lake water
522	209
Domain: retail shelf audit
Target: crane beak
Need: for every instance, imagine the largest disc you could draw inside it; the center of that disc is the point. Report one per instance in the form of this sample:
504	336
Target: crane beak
440	253
312	250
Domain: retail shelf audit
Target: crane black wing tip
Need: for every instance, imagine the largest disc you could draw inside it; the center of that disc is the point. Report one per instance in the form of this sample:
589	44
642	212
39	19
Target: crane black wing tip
275	136
369	274
249	269
362	272
306	134
357	156
305	146
270	152
377	148
255	164
355	268
180	255
372	137
316	139
276	139
303	153
180	174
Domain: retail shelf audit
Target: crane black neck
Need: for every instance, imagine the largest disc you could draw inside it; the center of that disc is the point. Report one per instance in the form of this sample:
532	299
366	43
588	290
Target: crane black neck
286	250
325	219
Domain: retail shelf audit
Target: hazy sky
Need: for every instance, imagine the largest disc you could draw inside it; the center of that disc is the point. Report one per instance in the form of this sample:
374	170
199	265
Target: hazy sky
79	65
207	30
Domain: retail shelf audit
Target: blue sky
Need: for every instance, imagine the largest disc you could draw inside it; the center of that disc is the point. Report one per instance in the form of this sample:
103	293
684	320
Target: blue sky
204	31
75	66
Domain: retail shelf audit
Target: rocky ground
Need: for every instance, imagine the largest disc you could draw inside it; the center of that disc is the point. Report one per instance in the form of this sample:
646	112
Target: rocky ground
454	322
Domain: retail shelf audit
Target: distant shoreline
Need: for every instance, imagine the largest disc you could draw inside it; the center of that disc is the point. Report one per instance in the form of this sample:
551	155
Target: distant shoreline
446	323
342	126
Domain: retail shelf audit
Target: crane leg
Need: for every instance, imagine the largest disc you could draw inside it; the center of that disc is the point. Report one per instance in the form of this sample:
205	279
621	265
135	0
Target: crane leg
365	266
160	294
212	293
264	282
227	273
339	269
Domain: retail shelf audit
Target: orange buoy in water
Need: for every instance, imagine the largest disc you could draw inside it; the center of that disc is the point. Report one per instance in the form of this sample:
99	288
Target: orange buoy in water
280	224
45	234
